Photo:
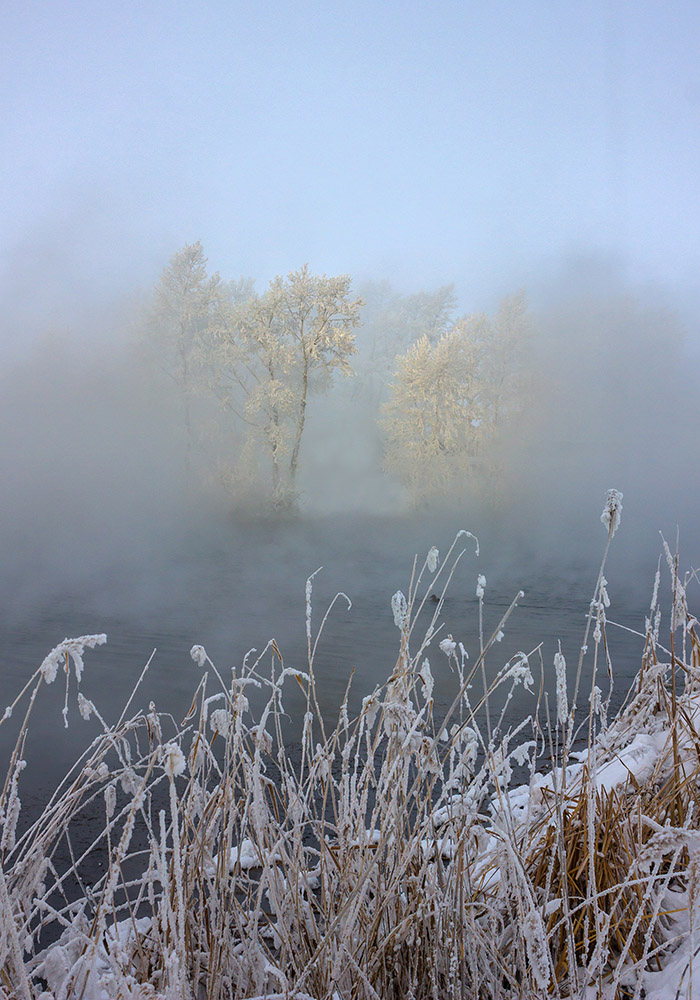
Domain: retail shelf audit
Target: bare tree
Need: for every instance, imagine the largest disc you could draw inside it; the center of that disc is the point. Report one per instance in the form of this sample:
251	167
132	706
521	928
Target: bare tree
434	414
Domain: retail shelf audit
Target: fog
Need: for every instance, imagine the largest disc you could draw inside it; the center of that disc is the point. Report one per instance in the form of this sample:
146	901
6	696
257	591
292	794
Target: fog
111	522
96	490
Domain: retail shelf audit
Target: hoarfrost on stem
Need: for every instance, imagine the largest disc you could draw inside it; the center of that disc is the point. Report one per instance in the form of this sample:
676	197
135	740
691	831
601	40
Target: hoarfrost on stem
537	950
427	680
433	559
520	673
400	609
73	648
562	699
173	760
85	707
370	707
612	511
448	646
220	722
308	591
110	794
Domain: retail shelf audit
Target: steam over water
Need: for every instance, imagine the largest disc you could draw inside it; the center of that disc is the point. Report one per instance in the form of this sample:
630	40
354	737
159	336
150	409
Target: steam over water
109	527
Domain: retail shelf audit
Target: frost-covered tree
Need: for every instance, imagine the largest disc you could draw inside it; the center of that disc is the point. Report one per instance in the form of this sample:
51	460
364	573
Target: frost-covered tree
505	354
391	323
449	399
434	414
271	352
184	303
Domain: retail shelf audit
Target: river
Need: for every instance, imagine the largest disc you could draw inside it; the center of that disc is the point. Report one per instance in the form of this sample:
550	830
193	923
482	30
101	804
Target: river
233	586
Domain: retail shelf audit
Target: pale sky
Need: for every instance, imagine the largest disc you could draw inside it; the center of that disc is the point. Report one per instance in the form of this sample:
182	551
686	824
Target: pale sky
477	143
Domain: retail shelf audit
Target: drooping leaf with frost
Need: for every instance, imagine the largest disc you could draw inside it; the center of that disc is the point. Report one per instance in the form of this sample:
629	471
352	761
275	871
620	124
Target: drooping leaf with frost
174	762
73	648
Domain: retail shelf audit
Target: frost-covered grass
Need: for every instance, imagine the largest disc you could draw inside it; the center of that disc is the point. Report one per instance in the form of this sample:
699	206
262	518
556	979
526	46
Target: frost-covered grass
394	856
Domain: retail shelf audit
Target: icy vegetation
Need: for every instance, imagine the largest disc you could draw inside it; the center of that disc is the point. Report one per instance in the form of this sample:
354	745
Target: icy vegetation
399	855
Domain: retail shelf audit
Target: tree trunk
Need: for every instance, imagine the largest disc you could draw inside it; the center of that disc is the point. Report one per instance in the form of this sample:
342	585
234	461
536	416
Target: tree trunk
294	461
275	437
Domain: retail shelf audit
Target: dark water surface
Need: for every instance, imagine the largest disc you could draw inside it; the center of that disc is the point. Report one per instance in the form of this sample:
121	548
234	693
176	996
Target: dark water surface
234	588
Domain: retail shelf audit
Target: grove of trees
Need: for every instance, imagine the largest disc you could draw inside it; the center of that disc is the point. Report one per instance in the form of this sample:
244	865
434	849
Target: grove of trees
440	388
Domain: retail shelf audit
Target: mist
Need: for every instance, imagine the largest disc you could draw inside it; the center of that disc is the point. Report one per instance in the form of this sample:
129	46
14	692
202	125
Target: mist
99	500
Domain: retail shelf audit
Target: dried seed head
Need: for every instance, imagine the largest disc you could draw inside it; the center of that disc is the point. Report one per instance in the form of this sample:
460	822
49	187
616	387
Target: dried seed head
612	511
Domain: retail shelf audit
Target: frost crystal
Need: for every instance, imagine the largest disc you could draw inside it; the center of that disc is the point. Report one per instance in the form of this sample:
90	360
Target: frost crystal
400	609
73	648
480	585
562	700
173	760
433	558
199	655
679	611
220	722
110	800
520	672
85	707
521	754
448	646
655	592
307	597
537	951
427	680
370	707
612	511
